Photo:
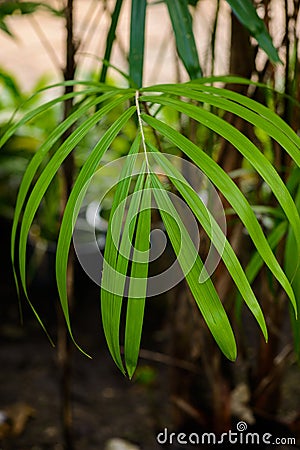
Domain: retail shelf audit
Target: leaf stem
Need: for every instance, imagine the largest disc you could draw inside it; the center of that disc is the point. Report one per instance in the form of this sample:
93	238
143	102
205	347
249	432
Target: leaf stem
137	104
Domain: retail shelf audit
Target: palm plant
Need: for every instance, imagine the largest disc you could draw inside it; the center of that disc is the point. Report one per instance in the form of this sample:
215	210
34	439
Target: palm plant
203	103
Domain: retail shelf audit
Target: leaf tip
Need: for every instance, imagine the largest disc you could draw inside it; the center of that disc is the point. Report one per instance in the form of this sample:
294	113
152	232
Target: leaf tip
130	372
231	353
232	357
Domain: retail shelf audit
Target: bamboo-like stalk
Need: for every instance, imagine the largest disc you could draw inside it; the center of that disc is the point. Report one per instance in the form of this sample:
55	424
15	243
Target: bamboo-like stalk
64	341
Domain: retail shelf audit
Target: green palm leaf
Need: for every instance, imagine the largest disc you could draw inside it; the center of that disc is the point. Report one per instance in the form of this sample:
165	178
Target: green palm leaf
109	300
37	159
48	174
263	111
110	39
74	203
115	270
251	111
204	293
138	283
135	225
216	235
185	42
231	192
256	262
247	15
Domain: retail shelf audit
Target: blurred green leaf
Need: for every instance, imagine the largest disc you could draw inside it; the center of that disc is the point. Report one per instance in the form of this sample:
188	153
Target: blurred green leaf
183	29
111	303
247	15
8	8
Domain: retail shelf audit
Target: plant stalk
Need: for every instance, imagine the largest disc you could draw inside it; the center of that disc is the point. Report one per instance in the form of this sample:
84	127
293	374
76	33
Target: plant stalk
64	341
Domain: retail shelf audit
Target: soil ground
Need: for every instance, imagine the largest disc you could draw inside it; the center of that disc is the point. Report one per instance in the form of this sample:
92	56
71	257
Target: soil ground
105	404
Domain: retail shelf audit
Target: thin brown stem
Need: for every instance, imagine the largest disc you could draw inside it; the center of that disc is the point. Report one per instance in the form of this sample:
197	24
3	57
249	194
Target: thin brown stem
64	341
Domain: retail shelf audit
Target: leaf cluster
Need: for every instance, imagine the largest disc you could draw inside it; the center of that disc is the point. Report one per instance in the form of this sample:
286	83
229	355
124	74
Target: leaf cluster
133	228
